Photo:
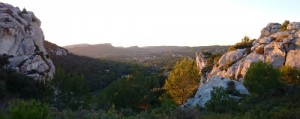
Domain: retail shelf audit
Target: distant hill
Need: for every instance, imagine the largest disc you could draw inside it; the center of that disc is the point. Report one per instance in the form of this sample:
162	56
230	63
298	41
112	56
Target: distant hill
111	52
98	73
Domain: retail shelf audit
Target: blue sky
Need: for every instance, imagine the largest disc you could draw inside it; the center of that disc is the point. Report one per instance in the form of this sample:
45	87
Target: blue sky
157	22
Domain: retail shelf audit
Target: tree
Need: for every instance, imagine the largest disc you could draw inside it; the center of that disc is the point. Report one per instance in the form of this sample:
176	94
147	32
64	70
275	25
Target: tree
137	91
183	80
261	79
72	90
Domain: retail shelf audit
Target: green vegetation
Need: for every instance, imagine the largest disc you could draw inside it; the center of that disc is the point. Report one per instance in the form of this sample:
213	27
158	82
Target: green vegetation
86	88
183	80
289	75
284	25
72	91
28	110
211	60
262	79
136	91
221	101
245	43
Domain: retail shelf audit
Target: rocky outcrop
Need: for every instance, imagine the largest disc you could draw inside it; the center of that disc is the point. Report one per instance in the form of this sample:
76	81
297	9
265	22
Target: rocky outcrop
293	59
203	92
279	48
200	60
294	26
23	40
270	29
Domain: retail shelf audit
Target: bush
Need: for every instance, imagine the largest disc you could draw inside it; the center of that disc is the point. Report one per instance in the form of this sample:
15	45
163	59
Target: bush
246	43
72	91
289	75
262	78
28	110
220	101
212	59
13	84
284	25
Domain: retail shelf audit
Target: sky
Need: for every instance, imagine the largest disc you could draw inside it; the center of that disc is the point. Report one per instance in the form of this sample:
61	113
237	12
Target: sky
157	22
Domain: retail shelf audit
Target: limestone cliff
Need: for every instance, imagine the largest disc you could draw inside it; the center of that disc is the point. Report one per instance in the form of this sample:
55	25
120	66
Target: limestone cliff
22	39
274	46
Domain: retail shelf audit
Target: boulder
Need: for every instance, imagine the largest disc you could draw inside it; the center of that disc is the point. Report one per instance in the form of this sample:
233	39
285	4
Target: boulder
294	26
204	90
231	56
265	40
293	58
270	29
245	63
275	54
23	40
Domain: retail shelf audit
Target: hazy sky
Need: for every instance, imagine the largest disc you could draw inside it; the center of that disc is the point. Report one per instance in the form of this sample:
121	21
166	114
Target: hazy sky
157	22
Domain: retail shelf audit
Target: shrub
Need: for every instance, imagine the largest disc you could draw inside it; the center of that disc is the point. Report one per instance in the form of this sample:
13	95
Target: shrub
262	78
28	110
220	101
246	43
3	60
246	39
72	91
13	84
284	25
289	75
212	59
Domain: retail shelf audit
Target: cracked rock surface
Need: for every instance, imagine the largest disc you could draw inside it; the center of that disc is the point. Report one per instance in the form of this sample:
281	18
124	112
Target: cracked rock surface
279	48
22	39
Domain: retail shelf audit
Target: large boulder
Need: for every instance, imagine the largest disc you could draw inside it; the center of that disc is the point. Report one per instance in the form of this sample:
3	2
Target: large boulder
270	29
275	54
293	59
23	40
231	56
203	92
293	26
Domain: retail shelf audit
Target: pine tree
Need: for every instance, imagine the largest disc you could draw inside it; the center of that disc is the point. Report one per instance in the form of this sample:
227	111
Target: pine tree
183	80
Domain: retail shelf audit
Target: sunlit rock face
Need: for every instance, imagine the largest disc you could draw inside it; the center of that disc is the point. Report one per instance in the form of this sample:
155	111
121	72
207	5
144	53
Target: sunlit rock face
22	39
274	46
203	92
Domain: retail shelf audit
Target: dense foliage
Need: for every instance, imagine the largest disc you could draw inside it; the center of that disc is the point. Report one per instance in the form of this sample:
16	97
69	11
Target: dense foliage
30	109
137	91
183	80
71	91
262	79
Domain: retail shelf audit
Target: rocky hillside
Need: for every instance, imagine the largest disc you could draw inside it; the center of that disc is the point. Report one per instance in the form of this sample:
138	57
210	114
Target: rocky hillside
22	42
275	46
